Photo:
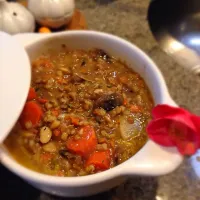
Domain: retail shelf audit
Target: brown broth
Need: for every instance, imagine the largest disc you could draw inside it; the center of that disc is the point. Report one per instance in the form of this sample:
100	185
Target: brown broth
87	99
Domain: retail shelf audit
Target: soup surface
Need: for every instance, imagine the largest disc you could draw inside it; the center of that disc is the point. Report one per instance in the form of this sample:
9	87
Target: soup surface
86	112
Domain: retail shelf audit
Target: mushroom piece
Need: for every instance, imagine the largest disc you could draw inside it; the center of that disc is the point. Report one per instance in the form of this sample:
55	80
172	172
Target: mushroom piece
109	101
69	156
64	153
102	54
81	76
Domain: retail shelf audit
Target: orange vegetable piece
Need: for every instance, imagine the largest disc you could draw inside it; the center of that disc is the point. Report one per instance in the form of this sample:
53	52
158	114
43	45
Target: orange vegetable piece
56	132
45	157
86	144
55	112
32	112
135	109
123	79
100	159
141	83
43	62
125	102
60	80
31	94
75	120
44	30
61	173
112	144
42	101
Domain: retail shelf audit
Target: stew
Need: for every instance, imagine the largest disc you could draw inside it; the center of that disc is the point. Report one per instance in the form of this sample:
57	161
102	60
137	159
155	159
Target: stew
85	112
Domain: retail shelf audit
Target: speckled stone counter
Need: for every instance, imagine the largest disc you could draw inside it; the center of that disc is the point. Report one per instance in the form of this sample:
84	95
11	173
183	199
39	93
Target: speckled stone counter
127	19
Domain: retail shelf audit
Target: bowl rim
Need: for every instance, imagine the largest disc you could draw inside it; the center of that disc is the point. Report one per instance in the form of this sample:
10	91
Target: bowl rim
116	171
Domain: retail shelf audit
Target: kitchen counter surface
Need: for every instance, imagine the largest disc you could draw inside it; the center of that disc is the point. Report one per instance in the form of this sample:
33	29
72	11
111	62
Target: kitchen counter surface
127	19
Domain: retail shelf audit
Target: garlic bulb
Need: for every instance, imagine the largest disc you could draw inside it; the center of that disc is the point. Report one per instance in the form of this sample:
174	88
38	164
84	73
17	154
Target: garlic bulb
15	18
52	13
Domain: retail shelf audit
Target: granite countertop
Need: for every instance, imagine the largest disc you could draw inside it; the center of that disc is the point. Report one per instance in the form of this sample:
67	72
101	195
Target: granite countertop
127	19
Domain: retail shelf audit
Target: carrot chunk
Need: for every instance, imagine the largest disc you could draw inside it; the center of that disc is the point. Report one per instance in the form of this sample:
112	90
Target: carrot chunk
75	120
57	132
125	102
135	109
46	157
55	112
42	100
31	94
100	159
32	112
86	144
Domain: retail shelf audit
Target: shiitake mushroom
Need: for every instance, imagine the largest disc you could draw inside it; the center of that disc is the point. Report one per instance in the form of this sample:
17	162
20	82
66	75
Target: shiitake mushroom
109	101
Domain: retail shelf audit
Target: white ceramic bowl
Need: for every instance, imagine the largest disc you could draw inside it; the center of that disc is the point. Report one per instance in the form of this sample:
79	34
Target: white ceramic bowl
151	160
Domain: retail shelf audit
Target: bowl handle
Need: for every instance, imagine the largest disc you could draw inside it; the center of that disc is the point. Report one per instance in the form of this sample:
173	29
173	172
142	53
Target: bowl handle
153	159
